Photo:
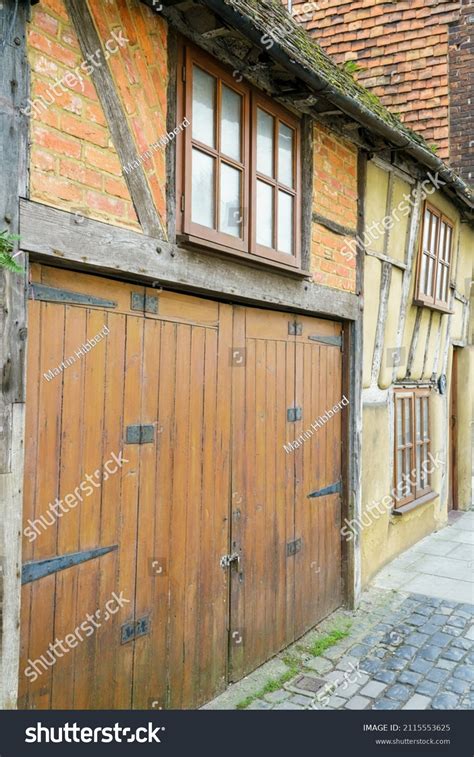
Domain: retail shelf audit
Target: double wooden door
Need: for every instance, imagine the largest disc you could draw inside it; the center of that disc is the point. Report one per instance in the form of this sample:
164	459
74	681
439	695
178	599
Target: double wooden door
170	543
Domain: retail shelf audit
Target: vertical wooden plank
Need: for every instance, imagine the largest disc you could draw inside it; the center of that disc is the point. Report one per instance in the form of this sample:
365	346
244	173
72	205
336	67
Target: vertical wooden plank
128	526
284	464
216	515
290	491
258	506
178	517
194	497
273	453
70	477
113	506
49	425
146	581
167	400
239	581
90	507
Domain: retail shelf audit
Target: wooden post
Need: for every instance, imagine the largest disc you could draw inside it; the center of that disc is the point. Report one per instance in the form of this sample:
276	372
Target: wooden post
14	81
353	351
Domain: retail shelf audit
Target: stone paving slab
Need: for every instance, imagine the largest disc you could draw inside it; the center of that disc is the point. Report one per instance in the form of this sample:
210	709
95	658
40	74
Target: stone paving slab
400	654
409	645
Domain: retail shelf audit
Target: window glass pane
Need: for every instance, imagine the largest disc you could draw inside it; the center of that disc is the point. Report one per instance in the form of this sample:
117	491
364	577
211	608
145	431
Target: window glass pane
407	404
418	419
264	214
425	418
445	283
265	146
399	474
204	104
230	207
285	155
439	281
203	189
442	233
285	222
231	115
426	229
430	277
407	469
399	423
418	466
424	258
434	230
424	474
449	234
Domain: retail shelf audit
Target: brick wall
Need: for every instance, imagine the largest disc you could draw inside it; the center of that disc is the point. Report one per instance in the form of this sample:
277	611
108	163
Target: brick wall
403	49
335	199
74	164
461	66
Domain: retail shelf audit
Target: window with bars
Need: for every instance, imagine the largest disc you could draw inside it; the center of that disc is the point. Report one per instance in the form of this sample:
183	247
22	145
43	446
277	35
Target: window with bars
435	259
240	189
412	445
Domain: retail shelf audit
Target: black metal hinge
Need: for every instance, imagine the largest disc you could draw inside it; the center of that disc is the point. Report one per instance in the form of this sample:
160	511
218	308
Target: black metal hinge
333	489
293	547
32	571
53	294
140	434
134	629
145	303
332	341
295	328
294	414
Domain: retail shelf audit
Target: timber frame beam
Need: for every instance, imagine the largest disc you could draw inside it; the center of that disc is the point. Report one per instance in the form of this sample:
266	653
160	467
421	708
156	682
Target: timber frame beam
59	238
14	83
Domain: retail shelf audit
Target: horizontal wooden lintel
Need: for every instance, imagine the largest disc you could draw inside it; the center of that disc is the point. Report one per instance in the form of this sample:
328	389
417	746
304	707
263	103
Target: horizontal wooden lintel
55	237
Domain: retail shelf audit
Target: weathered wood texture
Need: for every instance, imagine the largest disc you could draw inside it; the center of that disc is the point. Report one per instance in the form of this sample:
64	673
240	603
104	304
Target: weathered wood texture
53	236
172	508
352	429
117	121
13	159
277	596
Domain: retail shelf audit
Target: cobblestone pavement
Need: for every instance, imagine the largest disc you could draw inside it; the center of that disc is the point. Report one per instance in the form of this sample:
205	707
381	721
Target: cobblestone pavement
402	652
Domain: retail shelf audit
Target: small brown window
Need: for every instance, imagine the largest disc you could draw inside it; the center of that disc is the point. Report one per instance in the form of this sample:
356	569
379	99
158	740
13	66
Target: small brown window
240	179
435	259
412	445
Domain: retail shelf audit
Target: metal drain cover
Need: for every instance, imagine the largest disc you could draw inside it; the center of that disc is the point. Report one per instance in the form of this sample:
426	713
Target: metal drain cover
309	683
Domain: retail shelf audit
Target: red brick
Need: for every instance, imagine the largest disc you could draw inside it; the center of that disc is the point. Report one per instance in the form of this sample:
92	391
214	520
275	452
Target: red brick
56	142
85	131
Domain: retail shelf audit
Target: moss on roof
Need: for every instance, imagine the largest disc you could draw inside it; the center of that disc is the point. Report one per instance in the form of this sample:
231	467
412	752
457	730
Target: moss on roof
271	18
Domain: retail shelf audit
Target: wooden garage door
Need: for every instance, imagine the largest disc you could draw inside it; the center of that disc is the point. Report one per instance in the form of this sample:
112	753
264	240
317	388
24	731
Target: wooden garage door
192	396
163	515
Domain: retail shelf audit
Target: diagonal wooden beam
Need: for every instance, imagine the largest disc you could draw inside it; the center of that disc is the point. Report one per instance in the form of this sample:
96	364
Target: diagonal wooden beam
122	137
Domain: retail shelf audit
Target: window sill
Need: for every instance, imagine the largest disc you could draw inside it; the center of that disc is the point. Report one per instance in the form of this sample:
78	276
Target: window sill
429	497
431	306
187	240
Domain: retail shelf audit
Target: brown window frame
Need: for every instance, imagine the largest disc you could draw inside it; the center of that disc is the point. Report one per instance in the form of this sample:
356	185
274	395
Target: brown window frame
412	395
430	300
246	246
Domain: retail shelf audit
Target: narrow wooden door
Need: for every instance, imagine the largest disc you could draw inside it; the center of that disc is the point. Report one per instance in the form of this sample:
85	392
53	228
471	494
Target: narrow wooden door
263	489
183	523
318	493
285	525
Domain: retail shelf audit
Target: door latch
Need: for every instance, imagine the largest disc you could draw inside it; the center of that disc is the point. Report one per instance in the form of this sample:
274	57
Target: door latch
227	560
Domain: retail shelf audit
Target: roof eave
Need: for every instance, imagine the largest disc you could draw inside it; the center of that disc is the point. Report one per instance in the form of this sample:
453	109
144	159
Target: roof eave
349	105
